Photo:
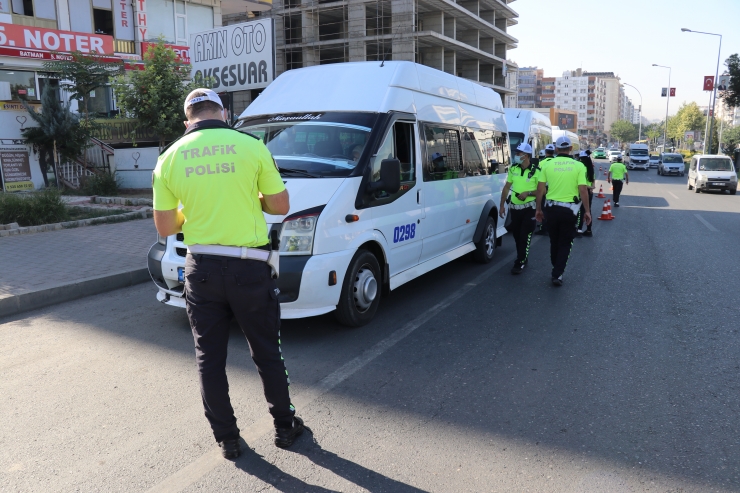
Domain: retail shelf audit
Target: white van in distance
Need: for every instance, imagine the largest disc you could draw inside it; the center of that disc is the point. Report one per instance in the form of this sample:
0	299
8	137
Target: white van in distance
393	169
639	157
557	132
529	127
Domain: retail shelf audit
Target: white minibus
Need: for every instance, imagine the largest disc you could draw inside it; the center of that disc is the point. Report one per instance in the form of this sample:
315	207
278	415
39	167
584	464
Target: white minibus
557	132
529	127
393	169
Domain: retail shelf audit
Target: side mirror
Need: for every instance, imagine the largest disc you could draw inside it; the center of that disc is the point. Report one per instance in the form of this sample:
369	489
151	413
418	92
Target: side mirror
390	177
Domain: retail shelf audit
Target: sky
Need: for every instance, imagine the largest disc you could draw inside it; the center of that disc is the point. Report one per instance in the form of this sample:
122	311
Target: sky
626	37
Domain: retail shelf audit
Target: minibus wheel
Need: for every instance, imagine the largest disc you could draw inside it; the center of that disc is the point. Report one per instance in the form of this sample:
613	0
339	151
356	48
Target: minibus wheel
361	288
486	247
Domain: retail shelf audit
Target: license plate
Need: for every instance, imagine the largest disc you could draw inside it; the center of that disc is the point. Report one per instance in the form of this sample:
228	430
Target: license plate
716	183
181	274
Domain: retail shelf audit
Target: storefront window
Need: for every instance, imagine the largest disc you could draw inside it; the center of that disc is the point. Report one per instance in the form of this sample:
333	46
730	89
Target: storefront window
100	103
17	85
53	83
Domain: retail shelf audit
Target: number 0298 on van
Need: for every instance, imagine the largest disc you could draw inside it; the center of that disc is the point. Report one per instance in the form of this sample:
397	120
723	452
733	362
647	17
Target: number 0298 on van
393	170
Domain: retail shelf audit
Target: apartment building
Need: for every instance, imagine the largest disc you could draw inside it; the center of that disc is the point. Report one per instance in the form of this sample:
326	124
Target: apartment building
548	92
467	38
585	94
613	103
529	87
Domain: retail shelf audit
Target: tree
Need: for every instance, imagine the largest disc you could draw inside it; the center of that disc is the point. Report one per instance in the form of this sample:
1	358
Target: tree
624	131
730	140
731	96
83	73
155	95
688	118
653	131
57	133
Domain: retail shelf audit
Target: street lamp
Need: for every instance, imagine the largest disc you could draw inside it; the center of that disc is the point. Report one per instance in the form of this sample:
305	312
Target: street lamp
714	91
638	92
668	94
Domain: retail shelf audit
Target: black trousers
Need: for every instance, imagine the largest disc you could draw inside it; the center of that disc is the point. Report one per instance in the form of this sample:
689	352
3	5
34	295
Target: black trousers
561	226
582	215
521	228
617	184
215	289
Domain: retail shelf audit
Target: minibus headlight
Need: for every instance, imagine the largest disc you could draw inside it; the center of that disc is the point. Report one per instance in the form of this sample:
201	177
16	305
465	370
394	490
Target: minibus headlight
162	240
297	233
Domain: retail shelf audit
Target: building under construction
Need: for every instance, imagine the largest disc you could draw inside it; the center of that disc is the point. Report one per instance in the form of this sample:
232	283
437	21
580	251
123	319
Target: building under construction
465	38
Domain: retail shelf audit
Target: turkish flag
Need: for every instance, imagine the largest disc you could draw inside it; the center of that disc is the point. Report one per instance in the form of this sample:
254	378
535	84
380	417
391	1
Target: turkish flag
708	82
673	92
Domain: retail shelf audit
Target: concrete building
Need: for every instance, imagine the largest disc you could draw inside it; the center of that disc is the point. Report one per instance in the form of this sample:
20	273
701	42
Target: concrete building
467	38
529	87
613	103
584	94
548	92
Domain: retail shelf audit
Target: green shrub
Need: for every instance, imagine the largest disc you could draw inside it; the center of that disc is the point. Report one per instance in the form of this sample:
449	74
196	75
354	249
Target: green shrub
32	209
104	184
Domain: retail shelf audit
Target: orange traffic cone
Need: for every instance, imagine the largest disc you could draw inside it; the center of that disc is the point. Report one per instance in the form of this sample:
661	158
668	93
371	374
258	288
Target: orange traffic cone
601	192
606	214
609	204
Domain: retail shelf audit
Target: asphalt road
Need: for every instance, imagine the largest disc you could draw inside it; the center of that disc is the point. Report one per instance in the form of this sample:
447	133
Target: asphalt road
468	380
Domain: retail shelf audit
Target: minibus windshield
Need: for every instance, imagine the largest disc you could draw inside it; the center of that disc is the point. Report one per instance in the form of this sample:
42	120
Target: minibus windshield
515	138
639	152
314	146
715	164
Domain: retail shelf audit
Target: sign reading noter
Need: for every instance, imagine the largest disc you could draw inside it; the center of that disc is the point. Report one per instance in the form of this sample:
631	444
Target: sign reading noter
235	58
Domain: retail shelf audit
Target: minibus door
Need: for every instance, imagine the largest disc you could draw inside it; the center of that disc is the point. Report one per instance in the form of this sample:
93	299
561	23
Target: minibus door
399	216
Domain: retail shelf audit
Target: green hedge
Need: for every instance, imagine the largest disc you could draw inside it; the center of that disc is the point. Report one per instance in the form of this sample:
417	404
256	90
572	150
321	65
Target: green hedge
32	209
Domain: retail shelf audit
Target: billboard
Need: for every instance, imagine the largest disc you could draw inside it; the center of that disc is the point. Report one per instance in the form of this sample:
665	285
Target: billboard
566	121
723	82
236	57
40	38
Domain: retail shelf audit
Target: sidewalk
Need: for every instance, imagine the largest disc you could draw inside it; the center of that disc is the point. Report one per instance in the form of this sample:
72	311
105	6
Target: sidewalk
52	267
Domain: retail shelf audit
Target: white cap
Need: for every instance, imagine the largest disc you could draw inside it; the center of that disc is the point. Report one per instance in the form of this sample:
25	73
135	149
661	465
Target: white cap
583	154
525	148
542	153
209	95
563	142
549	147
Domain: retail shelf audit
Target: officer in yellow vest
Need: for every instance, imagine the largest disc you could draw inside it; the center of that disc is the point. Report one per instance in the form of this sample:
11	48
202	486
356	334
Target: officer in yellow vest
540	228
567	188
225	180
522	181
618	177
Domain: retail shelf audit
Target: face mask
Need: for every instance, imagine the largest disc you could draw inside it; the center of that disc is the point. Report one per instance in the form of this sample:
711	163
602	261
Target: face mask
518	159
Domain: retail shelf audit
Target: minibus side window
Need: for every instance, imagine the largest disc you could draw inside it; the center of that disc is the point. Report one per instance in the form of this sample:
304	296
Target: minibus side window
501	153
443	154
479	154
399	144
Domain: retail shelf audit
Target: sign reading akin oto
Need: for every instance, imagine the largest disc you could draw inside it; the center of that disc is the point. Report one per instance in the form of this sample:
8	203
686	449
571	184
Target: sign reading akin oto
236	57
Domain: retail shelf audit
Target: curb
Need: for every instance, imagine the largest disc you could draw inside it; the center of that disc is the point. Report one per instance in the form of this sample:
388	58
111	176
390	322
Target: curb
116	218
13	305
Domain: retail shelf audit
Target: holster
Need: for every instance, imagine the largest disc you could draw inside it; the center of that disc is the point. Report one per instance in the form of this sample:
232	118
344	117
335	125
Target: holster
274	259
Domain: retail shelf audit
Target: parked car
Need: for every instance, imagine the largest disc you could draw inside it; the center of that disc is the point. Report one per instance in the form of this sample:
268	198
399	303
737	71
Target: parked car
712	172
654	160
613	155
599	153
671	163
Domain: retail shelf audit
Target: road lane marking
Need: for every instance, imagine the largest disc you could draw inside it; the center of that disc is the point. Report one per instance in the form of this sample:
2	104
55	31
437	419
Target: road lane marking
674	195
212	459
706	223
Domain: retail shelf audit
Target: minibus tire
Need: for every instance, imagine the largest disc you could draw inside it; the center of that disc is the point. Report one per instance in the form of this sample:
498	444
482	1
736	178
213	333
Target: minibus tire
350	310
485	249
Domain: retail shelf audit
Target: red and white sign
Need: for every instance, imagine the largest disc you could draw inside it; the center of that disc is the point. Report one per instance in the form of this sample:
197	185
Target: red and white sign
46	55
709	83
140	18
182	52
38	38
673	92
123	16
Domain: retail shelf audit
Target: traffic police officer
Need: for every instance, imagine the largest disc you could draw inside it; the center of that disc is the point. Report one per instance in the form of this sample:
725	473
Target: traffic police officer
540	228
225	180
522	181
617	176
567	188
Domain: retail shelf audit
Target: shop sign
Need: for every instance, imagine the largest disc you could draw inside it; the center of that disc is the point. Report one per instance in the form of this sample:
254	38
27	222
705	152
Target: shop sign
13	106
46	55
123	17
16	169
121	131
182	52
236	57
38	38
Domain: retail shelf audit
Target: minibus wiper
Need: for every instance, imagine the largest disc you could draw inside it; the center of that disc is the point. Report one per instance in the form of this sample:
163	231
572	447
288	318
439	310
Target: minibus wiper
297	171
